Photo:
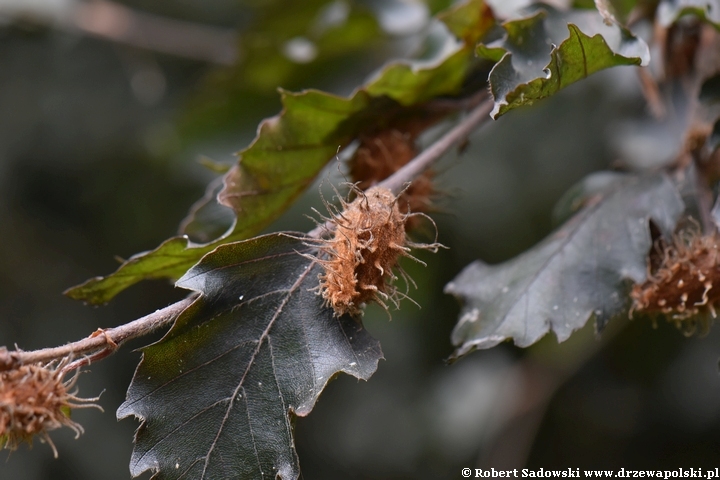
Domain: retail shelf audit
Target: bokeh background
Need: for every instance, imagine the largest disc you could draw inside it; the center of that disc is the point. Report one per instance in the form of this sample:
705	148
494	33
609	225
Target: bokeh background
107	111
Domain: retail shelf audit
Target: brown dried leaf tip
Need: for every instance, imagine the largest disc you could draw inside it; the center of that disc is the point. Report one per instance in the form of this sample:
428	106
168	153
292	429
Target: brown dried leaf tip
685	283
368	240
34	400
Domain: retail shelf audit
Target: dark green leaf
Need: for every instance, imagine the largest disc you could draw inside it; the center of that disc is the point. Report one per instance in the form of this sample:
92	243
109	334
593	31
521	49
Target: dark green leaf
710	90
669	11
708	110
409	85
545	52
217	396
287	154
579	271
169	260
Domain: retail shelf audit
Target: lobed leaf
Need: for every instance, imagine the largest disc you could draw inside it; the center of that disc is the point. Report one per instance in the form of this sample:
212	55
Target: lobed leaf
290	150
549	50
580	271
218	394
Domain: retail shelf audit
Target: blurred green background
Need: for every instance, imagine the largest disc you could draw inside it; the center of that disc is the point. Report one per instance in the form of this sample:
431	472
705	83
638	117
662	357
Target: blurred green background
101	130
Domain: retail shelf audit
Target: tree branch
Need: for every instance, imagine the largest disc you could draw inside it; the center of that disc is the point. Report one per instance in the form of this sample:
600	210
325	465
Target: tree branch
104	342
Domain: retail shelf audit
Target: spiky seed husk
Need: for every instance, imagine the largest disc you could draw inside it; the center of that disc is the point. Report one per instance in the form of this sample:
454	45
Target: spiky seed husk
369	239
685	284
34	400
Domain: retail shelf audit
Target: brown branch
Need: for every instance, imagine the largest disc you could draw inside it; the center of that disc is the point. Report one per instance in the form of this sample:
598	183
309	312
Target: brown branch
105	342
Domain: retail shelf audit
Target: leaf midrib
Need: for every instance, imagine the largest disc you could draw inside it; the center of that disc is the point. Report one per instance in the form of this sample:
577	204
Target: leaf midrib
265	335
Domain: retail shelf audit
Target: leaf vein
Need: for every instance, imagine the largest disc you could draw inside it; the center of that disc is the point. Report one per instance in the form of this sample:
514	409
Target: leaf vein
189	468
164	437
282	398
189	371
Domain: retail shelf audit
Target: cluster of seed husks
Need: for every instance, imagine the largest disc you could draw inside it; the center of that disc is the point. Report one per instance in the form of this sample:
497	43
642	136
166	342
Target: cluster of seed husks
685	284
34	400
368	240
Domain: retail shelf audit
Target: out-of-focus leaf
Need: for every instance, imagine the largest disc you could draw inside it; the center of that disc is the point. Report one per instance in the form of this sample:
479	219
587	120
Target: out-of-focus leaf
621	8
289	151
217	396
708	109
710	90
715	213
401	81
413	82
469	21
579	271
438	6
549	50
669	11
714	138
287	44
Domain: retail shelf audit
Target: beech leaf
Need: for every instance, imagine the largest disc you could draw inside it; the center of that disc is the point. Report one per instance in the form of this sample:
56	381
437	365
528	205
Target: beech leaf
218	394
581	270
549	50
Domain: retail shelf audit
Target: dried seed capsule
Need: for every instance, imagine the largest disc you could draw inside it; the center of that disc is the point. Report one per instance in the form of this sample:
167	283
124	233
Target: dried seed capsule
684	283
34	399
359	260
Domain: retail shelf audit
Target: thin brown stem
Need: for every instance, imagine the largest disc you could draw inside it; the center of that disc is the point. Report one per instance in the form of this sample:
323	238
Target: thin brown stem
96	344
